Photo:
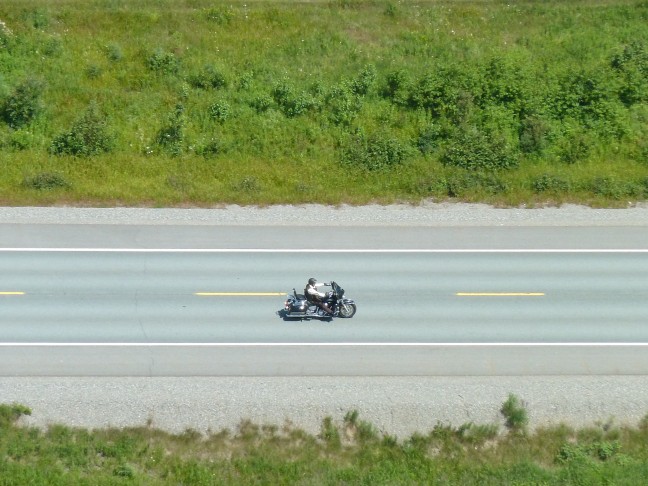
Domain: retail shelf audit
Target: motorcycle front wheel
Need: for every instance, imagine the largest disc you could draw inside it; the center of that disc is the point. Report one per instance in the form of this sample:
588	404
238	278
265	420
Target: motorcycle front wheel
347	310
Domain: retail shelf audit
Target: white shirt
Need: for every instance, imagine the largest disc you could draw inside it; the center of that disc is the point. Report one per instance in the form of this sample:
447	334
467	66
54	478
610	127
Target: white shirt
312	289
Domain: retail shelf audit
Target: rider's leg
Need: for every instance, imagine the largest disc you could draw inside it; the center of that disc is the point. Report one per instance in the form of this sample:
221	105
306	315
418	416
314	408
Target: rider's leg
325	308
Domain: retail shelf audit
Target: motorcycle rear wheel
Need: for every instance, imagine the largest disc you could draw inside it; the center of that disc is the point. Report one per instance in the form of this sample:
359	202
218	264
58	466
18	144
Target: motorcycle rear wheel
347	310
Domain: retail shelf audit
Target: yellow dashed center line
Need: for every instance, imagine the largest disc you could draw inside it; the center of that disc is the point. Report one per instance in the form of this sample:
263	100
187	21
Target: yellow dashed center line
500	294
12	293
239	294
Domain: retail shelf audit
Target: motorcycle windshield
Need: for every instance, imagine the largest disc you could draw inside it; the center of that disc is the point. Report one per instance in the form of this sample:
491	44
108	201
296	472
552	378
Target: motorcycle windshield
339	291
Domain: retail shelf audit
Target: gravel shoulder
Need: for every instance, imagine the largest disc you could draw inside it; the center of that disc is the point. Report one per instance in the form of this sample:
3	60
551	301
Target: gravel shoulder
425	214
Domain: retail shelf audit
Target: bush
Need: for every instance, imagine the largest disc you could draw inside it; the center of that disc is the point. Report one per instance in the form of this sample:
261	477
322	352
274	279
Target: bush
429	138
363	83
515	414
219	15
445	92
615	189
24	104
534	134
380	151
474	150
575	147
209	78
219	111
549	183
114	52
88	136
462	183
163	62
210	149
292	104
583	95
171	136
397	87
261	103
632	66
46	181
343	105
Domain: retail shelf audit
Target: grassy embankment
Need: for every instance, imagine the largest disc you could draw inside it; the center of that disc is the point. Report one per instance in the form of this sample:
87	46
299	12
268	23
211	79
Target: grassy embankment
349	452
195	102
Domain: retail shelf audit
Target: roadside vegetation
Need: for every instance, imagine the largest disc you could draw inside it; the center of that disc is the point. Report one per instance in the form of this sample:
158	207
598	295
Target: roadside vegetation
346	451
200	102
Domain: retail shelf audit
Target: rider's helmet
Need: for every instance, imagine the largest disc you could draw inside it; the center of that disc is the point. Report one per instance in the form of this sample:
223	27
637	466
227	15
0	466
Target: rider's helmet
312	281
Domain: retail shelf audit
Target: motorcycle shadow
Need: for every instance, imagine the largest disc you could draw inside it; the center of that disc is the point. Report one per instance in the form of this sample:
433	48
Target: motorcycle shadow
284	315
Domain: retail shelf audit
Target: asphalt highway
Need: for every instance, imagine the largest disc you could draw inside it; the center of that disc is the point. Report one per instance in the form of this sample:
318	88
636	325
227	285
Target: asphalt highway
126	311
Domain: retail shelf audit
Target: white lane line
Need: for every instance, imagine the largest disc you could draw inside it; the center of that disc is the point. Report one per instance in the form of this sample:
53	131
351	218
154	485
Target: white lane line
318	250
327	344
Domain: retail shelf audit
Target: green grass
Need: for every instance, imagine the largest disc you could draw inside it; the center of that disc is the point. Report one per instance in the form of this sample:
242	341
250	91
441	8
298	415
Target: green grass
199	103
348	451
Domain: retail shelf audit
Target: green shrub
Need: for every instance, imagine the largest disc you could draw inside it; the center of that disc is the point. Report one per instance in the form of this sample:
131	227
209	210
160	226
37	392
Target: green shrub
364	82
245	80
210	149
93	71
343	105
575	147
534	134
377	152
88	136
124	471
209	78
397	87
114	52
515	414
261	103
290	102
23	104
429	138
38	18
587	453
220	111
444	92
163	62
614	189
45	181
53	47
219	15
22	140
550	183
632	66
460	184
473	149
171	136
582	95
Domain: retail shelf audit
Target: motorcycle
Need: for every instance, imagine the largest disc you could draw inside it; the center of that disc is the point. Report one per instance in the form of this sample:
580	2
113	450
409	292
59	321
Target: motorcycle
298	307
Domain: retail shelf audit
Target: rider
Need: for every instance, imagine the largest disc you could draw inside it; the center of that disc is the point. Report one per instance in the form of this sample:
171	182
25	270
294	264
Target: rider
315	296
